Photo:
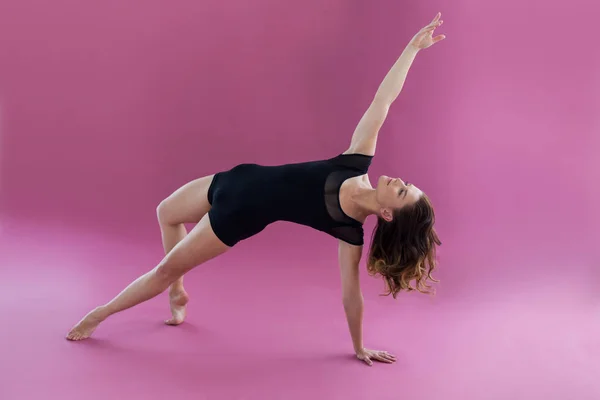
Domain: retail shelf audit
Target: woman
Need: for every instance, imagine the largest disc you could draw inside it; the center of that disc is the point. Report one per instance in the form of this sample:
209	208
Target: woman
333	196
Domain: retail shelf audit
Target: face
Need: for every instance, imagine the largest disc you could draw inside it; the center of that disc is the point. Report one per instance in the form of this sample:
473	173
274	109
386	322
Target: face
394	193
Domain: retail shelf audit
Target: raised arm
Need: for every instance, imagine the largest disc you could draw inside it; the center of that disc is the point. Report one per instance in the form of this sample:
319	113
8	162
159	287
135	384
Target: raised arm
352	298
364	139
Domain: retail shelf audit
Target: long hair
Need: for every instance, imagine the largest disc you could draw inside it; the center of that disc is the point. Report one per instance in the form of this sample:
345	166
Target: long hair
404	249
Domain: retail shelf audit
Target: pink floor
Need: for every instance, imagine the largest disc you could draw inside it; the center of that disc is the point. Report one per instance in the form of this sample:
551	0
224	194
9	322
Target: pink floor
271	327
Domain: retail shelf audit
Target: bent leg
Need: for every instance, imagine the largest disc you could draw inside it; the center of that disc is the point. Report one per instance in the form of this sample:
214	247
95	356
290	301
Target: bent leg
199	246
189	203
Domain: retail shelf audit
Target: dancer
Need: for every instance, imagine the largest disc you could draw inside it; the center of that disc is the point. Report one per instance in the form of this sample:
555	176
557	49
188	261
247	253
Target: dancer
333	196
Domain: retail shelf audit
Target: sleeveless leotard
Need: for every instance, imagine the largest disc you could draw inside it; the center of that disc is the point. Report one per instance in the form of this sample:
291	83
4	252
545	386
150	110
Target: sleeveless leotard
248	197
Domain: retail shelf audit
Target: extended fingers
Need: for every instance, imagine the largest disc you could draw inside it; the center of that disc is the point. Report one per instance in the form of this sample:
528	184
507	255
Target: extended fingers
386	357
376	355
434	25
383	358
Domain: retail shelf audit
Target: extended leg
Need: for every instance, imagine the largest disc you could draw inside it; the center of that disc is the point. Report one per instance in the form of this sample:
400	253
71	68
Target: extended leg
200	245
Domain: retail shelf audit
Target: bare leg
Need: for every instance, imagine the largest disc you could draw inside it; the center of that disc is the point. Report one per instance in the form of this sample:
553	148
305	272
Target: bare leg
178	297
198	247
189	203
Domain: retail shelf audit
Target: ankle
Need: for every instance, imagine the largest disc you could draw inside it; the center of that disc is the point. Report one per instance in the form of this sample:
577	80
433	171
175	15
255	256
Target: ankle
101	313
176	289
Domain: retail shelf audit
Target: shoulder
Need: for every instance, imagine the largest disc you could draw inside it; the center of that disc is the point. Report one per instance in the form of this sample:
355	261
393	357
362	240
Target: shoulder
354	151
358	161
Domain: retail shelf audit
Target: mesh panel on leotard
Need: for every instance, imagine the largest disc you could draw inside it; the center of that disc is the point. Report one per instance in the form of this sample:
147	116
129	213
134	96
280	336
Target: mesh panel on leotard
350	165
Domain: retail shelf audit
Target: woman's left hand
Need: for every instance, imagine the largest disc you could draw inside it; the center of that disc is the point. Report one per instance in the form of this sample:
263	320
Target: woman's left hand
368	356
424	38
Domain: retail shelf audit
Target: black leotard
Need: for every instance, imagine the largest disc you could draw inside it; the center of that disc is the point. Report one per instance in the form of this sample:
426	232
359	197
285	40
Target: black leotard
249	197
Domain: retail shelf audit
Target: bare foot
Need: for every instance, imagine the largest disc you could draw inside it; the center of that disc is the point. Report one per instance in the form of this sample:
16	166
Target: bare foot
177	300
86	326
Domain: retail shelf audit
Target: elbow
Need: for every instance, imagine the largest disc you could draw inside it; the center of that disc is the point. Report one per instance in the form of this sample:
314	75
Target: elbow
352	299
379	110
382	102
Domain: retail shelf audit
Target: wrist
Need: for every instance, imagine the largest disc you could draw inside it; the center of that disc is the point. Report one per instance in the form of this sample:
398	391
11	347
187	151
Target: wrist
412	48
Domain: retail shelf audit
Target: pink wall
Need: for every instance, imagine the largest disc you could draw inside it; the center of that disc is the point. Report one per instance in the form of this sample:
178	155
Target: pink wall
108	107
501	125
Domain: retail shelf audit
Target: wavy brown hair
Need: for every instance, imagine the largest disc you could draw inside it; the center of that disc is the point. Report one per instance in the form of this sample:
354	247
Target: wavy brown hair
404	249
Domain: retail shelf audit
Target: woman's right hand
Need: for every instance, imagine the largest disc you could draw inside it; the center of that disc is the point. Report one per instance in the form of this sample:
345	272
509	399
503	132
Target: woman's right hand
424	38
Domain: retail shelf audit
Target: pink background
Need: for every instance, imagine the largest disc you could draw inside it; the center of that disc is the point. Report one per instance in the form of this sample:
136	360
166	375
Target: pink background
107	107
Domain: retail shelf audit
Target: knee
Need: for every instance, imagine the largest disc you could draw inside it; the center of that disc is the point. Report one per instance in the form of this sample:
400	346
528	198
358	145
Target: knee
166	274
163	212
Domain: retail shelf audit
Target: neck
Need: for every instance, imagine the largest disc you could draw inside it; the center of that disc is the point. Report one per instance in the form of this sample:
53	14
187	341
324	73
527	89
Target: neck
364	201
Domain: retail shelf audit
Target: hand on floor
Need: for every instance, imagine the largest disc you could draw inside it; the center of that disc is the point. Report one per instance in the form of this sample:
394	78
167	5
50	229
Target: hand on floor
368	356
